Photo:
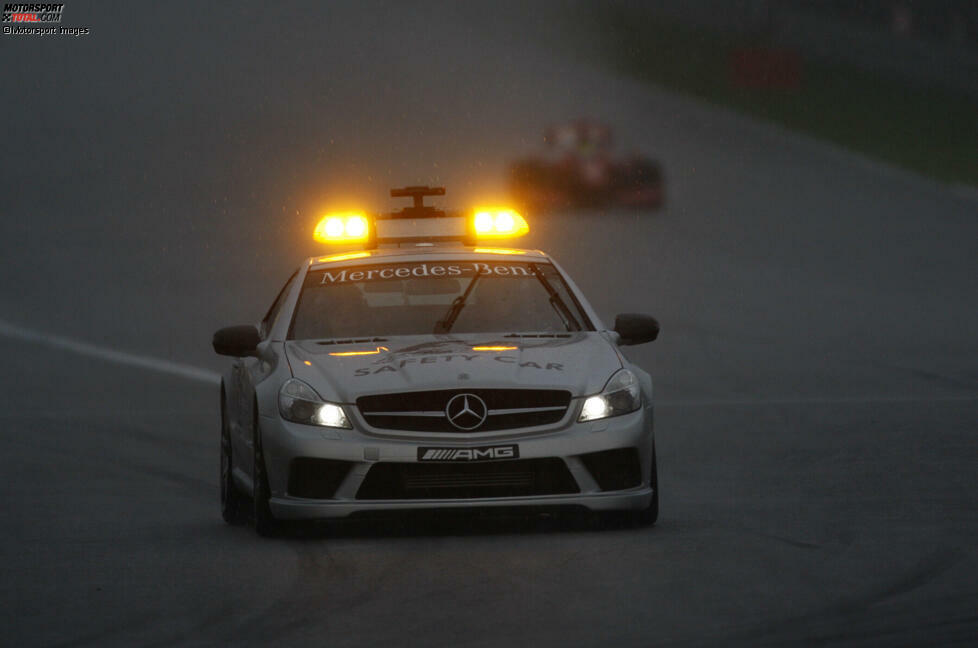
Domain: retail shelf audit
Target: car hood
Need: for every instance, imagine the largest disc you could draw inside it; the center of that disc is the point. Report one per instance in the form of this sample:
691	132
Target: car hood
579	362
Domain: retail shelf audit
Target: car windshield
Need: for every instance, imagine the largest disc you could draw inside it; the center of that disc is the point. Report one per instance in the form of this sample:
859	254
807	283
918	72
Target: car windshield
435	297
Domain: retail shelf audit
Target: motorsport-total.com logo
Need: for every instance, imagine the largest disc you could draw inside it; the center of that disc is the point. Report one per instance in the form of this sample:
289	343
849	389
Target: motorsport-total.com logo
37	19
32	13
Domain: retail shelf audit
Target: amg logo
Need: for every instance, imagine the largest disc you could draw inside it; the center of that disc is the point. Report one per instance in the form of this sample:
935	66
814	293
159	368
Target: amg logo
487	453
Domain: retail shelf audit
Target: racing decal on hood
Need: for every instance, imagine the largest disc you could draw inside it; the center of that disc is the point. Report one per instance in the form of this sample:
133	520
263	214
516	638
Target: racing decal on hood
580	362
392	364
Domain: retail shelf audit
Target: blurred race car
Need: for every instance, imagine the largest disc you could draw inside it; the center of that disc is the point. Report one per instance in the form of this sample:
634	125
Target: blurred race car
431	370
578	169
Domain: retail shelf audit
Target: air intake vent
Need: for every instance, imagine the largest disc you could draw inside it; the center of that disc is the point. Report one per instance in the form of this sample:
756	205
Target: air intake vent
316	478
523	477
614	469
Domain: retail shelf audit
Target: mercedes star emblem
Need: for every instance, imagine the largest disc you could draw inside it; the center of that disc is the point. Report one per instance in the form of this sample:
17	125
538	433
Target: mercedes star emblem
466	411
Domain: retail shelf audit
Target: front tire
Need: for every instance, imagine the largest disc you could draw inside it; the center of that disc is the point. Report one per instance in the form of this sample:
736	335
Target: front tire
265	523
232	500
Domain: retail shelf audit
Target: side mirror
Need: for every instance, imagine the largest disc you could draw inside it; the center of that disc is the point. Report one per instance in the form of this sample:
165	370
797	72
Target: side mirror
635	328
238	341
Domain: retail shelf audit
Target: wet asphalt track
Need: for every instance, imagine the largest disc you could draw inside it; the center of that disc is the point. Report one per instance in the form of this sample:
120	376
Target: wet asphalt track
817	375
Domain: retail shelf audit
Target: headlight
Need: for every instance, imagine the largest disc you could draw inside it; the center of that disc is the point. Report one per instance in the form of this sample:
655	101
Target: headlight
299	402
620	396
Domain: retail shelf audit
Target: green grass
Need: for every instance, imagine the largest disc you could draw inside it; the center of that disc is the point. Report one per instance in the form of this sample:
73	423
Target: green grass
931	131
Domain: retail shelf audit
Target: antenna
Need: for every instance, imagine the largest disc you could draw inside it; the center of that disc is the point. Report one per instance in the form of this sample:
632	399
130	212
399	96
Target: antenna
418	193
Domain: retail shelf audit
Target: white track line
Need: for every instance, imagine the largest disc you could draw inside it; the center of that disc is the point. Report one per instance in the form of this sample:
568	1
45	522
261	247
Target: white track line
109	355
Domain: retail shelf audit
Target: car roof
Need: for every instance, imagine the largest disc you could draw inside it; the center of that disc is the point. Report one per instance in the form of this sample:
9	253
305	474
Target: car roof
424	253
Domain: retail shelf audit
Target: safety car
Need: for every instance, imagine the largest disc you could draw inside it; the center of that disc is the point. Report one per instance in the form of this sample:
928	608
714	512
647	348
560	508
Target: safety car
424	366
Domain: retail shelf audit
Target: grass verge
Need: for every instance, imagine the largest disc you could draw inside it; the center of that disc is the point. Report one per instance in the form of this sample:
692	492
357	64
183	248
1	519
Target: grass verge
931	131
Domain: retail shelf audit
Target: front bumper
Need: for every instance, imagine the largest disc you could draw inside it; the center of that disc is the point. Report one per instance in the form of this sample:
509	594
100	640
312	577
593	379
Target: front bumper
283	441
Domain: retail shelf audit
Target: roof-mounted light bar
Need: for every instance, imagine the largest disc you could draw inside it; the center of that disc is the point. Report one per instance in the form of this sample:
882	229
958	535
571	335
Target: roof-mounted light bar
420	223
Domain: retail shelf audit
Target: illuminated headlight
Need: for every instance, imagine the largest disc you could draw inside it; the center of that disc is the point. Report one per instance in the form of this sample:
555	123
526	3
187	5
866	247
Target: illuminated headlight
298	402
620	396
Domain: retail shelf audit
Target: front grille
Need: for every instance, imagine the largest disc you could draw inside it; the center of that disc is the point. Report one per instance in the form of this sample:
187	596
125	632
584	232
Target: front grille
316	478
518	478
614	469
425	411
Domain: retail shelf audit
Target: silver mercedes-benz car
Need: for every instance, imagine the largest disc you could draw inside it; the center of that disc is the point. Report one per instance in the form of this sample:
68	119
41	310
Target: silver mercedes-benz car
426	370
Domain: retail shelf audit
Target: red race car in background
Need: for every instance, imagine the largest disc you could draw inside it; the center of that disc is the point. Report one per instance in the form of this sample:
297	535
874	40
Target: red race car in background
578	169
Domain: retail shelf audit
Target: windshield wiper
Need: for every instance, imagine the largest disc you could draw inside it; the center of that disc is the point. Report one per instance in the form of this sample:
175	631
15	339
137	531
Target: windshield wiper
444	325
556	301
350	340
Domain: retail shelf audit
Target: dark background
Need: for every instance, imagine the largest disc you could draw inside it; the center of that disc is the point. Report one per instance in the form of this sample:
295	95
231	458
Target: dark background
816	377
